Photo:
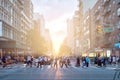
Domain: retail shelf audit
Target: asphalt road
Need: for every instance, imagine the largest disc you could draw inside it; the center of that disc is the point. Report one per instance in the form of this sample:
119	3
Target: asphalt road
51	73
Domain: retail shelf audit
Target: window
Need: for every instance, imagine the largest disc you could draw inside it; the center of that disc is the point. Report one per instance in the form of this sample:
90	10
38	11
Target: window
109	6
118	25
118	1
118	37
0	28
0	12
113	15
118	12
113	2
109	17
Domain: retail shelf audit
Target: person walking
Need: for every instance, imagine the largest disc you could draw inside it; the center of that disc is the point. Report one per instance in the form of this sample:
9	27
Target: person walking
68	61
114	60
78	62
96	61
83	62
4	61
40	62
29	61
64	62
55	62
87	59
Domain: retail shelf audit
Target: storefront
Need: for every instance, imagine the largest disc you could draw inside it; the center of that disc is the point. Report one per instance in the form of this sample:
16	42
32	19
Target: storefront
11	48
100	52
117	49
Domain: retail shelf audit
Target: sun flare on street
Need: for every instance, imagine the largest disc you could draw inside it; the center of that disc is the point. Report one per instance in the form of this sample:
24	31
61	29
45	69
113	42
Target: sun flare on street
59	39
56	16
57	33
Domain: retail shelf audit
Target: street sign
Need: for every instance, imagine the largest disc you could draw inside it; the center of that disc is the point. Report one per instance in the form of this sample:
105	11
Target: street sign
109	29
98	50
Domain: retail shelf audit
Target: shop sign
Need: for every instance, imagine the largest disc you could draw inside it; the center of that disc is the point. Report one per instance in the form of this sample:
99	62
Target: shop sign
98	50
117	45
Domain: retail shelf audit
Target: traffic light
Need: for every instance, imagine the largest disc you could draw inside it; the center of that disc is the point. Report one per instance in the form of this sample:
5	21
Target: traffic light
99	29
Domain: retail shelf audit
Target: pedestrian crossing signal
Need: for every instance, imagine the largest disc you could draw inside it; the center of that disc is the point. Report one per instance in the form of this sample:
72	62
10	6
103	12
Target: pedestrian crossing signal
99	29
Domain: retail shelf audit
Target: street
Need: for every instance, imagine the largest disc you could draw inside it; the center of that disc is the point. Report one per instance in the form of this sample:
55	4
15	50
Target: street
20	72
59	39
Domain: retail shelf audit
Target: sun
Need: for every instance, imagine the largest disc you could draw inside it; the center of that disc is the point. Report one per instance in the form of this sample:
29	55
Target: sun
56	45
57	32
56	50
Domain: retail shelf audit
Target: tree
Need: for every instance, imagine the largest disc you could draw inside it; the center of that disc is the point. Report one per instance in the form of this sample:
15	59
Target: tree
36	42
64	50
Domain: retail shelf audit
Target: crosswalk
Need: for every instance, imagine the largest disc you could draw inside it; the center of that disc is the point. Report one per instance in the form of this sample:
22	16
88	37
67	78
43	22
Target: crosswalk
47	67
47	72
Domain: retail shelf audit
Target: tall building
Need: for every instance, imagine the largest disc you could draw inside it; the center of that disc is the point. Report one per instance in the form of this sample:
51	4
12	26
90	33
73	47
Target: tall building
78	29
14	23
48	40
106	20
70	34
88	4
41	20
86	31
37	22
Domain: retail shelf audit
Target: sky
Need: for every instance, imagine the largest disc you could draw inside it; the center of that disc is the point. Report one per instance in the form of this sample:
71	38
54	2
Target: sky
88	4
56	13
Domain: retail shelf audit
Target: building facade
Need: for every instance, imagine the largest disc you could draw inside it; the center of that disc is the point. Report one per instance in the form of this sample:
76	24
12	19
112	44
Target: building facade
78	29
70	35
39	24
86	31
40	19
14	23
106	15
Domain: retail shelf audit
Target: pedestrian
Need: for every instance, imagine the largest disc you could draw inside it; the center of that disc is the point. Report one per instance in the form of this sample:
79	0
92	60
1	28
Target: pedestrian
60	61
110	59
68	61
103	62
64	62
0	61
114	60
78	62
29	61
117	60
36	61
4	61
87	60
96	61
83	62
40	62
55	63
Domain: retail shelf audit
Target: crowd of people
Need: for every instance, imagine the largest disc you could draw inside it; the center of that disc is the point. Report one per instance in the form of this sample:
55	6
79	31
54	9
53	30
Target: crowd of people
102	61
8	59
59	61
43	60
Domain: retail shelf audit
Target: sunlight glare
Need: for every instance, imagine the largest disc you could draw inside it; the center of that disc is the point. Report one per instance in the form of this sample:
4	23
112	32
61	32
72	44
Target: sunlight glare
58	32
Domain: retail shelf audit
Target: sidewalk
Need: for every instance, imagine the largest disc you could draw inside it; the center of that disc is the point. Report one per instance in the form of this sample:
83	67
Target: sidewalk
108	66
10	66
9	69
114	66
